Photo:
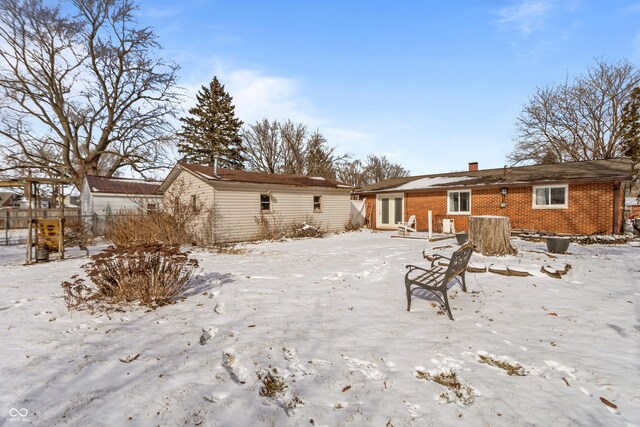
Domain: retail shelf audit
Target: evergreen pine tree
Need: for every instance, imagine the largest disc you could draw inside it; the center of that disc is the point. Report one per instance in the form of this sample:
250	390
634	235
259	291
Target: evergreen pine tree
212	130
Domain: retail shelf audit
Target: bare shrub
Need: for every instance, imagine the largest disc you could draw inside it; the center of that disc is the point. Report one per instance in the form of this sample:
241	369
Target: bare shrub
270	226
75	233
307	228
273	228
134	227
350	226
152	275
176	223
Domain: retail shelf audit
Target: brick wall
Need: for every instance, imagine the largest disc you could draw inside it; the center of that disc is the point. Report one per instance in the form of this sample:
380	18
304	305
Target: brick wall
590	209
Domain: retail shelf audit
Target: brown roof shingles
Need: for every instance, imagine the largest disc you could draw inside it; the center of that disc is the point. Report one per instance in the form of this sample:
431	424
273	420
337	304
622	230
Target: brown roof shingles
591	169
207	172
103	184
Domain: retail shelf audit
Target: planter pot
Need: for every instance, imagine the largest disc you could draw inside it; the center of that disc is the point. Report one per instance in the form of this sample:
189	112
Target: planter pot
42	254
558	245
462	238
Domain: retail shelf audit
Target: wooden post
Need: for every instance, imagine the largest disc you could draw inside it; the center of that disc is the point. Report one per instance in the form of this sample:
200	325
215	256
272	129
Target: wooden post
6	227
61	222
491	235
30	224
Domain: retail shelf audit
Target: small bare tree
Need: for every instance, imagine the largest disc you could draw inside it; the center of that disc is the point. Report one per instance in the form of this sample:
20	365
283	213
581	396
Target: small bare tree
82	90
579	120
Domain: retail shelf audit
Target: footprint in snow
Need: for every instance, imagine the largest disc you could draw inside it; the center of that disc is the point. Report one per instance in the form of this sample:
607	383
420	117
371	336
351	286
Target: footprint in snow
43	312
294	362
414	410
557	366
216	397
220	308
80	326
236	370
207	334
366	368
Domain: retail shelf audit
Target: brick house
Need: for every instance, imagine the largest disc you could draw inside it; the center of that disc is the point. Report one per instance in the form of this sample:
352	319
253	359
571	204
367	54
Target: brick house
574	198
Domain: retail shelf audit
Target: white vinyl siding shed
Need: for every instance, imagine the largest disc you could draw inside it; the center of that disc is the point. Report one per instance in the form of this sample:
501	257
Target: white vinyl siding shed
234	207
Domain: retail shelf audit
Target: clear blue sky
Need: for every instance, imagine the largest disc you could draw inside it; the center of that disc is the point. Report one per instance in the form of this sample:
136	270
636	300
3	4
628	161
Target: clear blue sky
431	84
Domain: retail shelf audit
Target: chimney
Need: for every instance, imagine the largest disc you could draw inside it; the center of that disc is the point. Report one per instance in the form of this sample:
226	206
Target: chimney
473	166
215	165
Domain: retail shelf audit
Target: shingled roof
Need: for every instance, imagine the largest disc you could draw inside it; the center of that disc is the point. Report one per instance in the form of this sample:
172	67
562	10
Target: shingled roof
596	170
110	185
207	173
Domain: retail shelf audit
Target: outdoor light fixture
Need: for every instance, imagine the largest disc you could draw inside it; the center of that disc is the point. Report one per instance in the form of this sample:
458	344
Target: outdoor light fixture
503	192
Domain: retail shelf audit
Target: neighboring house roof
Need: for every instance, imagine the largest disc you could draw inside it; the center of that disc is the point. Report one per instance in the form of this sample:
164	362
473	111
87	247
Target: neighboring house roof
110	185
610	169
207	173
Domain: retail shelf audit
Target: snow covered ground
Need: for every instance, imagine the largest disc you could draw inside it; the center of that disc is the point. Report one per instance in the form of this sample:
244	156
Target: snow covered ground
323	323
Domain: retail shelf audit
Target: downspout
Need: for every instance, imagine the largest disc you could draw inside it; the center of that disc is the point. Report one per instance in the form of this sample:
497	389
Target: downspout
616	207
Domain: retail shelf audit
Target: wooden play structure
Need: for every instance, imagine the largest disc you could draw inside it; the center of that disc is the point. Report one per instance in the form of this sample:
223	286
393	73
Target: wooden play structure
45	235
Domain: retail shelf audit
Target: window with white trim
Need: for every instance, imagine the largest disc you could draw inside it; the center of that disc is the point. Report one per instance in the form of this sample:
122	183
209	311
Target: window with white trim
551	197
317	203
459	202
265	203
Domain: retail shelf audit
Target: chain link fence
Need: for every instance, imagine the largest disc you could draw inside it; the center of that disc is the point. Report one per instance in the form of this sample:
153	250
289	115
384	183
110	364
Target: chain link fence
14	224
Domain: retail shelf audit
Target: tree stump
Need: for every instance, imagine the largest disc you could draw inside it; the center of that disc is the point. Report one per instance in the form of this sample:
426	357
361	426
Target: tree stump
491	235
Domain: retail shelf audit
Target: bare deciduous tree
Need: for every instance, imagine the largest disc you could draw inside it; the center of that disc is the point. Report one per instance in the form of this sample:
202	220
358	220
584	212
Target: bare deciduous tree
82	89
631	131
351	172
293	137
579	120
375	168
272	147
378	168
262	146
322	158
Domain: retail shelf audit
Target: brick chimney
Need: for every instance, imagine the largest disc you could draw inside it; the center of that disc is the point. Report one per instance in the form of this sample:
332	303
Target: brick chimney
473	166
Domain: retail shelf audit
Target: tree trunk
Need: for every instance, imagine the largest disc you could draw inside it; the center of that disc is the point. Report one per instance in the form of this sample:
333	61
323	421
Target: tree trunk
490	235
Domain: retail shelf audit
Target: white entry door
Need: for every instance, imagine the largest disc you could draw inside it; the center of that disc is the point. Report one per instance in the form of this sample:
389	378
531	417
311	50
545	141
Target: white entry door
390	210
